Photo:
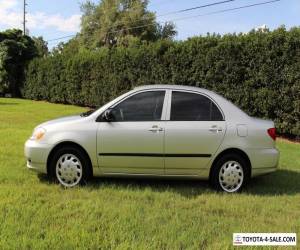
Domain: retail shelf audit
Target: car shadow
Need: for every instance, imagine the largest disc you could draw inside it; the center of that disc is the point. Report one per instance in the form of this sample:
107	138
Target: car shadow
186	188
282	182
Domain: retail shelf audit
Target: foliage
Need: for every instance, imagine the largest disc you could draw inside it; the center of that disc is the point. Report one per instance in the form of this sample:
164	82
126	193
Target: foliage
114	22
41	46
15	51
126	213
258	71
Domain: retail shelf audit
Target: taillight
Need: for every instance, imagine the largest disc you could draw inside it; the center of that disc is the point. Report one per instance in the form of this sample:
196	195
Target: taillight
272	133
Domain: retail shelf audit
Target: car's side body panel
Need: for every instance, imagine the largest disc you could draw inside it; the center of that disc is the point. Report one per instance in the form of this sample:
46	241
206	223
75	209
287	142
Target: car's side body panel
257	145
189	146
130	148
79	130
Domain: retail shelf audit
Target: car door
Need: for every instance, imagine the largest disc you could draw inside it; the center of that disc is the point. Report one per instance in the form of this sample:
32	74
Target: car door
195	130
133	142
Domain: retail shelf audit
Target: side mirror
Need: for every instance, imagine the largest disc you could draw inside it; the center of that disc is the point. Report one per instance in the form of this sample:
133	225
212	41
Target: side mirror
108	115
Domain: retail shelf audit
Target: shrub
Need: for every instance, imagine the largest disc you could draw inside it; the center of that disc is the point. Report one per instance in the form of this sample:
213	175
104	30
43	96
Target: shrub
259	72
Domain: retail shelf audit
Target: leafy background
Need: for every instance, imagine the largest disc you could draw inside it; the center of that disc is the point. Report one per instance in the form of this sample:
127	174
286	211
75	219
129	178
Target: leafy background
258	71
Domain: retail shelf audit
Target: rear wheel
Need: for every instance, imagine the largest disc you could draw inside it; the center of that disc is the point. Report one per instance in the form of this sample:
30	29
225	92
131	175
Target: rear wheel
70	167
230	173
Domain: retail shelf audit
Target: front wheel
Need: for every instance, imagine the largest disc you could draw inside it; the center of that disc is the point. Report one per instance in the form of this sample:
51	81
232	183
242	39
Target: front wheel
70	167
230	173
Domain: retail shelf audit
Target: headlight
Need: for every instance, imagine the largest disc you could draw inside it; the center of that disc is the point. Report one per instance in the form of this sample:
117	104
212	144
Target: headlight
38	134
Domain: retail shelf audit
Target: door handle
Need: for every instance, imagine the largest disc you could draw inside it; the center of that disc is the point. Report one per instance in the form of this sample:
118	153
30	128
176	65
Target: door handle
215	128
155	128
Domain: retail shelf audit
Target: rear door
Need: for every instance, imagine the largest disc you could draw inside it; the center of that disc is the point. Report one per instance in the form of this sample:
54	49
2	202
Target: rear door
195	130
133	142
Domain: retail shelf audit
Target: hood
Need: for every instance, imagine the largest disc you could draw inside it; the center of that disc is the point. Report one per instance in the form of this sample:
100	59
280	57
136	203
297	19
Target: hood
61	120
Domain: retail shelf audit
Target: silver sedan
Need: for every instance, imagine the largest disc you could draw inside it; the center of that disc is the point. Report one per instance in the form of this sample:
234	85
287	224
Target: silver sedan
157	131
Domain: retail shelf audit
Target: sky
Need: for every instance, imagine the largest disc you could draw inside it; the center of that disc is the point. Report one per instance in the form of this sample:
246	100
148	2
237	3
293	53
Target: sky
57	18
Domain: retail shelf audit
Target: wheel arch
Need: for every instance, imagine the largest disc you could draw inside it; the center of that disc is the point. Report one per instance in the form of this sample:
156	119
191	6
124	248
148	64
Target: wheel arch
232	151
69	144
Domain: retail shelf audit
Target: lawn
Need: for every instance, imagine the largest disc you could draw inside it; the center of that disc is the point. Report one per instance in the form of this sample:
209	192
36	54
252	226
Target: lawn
131	214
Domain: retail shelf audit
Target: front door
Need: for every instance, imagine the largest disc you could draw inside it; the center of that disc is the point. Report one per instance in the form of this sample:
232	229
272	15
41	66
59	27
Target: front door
193	134
133	142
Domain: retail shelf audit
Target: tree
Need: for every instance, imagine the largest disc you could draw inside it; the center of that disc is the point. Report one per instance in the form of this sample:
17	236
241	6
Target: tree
68	48
41	46
118	22
3	72
15	51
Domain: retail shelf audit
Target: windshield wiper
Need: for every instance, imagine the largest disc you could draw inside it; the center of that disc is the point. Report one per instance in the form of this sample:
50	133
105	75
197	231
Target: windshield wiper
87	113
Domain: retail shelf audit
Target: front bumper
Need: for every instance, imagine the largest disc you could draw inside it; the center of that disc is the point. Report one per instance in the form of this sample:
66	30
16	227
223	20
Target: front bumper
36	155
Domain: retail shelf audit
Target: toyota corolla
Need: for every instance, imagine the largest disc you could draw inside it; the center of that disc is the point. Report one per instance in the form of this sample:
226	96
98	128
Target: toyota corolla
157	131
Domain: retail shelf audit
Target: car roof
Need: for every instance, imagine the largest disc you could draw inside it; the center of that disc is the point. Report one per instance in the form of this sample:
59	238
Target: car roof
169	86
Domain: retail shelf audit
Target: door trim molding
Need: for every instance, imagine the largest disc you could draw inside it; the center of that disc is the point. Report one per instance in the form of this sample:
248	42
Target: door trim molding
155	155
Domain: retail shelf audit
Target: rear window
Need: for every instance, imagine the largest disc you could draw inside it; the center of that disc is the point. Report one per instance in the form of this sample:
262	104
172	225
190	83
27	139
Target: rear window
193	107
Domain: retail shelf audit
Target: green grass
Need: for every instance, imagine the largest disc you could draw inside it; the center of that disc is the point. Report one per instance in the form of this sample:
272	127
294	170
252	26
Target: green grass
131	214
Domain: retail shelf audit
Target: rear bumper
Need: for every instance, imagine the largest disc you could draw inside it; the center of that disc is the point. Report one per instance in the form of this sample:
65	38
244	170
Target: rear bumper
262	171
36	155
263	161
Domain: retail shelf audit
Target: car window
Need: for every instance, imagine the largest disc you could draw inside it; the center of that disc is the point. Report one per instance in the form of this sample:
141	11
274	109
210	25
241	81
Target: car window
146	106
193	107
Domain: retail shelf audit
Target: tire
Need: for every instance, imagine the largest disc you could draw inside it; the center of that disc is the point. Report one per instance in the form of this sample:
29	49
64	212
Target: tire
230	173
70	167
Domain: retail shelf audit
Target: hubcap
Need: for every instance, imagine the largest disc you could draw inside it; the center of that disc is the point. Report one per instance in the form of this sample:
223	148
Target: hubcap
231	176
68	170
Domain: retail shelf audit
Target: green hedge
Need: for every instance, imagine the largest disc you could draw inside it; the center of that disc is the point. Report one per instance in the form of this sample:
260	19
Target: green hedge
260	72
